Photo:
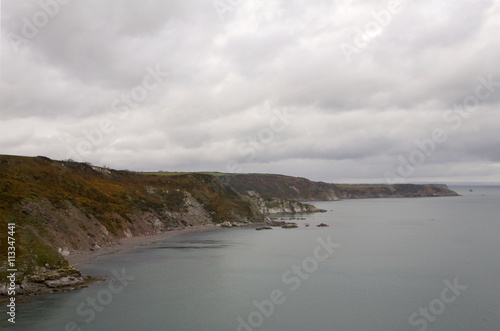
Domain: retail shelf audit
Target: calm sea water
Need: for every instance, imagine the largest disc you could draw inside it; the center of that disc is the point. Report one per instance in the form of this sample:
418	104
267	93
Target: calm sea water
397	261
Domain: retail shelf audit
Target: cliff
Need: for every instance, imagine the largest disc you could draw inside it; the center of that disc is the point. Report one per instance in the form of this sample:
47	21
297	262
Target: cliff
60	207
302	189
270	206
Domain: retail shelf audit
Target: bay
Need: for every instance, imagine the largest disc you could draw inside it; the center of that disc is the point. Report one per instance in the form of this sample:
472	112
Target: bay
395	259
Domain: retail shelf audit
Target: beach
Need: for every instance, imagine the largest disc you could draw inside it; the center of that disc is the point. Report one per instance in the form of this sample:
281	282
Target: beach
127	244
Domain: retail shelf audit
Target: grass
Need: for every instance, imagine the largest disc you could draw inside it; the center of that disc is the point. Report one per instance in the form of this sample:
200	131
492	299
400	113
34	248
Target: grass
31	187
34	189
176	173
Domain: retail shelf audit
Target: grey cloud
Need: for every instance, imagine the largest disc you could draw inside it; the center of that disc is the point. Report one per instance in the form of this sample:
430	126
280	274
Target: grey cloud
227	76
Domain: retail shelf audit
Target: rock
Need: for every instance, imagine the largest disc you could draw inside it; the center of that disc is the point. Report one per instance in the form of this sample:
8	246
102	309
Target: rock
49	280
63	251
276	223
270	205
104	230
26	287
263	228
3	289
158	225
64	281
290	226
37	279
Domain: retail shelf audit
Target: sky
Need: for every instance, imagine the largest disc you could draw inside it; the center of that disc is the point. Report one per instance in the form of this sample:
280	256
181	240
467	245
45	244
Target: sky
336	91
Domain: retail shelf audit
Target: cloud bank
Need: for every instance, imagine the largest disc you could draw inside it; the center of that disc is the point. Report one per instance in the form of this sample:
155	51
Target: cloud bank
329	90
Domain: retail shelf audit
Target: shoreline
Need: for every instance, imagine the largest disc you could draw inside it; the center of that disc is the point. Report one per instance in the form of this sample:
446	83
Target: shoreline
75	281
128	244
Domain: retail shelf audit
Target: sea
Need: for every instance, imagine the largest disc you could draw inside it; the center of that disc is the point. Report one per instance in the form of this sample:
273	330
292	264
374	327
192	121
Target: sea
381	264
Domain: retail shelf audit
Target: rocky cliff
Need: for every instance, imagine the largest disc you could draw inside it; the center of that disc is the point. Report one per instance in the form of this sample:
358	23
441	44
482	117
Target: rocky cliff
302	189
62	206
273	206
59	207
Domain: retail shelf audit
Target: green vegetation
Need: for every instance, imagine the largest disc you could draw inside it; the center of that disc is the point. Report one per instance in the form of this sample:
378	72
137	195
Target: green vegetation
301	189
177	173
57	204
68	205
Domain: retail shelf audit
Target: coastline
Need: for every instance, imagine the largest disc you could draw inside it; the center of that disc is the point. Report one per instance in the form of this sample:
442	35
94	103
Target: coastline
128	244
70	278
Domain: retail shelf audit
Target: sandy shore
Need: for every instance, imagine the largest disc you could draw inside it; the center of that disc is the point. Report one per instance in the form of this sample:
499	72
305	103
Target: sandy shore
127	244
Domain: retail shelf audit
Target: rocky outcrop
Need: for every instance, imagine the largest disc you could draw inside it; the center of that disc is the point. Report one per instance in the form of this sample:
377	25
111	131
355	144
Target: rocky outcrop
290	226
302	189
270	206
44	280
192	215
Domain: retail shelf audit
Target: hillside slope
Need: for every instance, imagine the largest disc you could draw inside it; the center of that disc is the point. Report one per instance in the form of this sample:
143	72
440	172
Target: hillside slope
60	207
302	189
65	206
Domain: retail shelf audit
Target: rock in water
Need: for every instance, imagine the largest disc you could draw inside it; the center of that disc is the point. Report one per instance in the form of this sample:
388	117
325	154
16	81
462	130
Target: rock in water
290	226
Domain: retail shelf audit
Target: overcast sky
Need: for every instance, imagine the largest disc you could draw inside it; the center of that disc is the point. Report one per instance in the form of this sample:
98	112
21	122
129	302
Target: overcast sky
338	91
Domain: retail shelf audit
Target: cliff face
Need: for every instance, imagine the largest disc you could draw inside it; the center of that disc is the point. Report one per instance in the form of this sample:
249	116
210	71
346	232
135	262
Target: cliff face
283	187
272	206
301	189
63	206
